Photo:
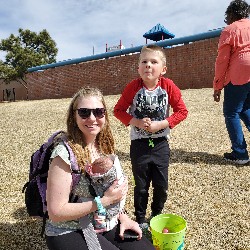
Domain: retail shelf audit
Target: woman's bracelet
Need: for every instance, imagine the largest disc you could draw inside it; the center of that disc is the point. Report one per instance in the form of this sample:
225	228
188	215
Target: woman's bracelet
100	207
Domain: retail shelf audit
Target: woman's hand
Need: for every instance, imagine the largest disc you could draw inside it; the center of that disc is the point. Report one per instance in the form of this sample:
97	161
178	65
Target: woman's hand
127	223
115	193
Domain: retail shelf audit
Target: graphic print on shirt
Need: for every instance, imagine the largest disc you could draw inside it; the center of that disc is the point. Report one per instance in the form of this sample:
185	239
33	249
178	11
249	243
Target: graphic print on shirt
153	105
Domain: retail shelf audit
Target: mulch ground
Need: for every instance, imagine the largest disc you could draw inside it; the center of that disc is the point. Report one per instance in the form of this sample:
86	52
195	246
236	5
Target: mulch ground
212	195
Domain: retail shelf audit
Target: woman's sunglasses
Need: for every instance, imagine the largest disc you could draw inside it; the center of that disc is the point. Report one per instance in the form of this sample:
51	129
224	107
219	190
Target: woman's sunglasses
85	113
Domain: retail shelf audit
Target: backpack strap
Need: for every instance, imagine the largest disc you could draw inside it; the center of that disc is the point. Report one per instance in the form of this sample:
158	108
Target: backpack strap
89	234
42	149
75	170
50	140
42	185
45	216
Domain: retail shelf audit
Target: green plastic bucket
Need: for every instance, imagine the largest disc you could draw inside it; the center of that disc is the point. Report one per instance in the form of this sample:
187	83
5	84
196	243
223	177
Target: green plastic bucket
174	239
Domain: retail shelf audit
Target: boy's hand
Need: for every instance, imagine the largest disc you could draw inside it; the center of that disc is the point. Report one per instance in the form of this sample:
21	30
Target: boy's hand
141	123
157	125
146	122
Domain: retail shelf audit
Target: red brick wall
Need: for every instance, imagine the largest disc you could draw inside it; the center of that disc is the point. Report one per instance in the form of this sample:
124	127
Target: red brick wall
189	66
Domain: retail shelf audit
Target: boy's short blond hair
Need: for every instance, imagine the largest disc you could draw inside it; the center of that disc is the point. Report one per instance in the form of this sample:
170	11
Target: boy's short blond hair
155	48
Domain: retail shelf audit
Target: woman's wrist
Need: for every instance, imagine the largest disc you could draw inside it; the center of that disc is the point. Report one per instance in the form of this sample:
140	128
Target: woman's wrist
101	209
123	215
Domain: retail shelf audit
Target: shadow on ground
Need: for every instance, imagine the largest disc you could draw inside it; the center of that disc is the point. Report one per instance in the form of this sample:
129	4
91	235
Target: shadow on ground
182	156
22	235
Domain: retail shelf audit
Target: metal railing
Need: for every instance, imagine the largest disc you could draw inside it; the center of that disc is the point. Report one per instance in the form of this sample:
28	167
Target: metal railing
164	43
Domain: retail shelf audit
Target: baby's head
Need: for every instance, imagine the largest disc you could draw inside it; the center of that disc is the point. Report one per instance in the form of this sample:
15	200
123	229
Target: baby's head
102	165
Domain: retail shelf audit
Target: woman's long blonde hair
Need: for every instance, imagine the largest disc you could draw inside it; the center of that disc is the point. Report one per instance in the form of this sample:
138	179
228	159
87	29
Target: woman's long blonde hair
76	140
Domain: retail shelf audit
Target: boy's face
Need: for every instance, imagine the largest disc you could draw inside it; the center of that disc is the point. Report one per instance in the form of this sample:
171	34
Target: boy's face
151	67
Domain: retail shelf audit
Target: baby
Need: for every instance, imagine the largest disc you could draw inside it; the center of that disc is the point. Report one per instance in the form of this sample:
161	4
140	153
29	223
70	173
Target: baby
102	173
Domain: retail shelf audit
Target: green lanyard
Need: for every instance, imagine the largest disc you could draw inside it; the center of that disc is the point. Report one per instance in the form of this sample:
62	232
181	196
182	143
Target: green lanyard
151	143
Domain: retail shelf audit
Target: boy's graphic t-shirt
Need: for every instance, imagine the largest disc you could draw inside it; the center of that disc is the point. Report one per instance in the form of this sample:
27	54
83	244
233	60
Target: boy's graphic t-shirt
139	102
152	104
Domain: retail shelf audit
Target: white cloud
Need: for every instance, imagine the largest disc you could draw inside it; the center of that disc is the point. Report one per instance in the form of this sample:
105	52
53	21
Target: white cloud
78	25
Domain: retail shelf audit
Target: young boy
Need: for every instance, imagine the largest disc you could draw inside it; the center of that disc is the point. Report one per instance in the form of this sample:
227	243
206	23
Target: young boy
148	99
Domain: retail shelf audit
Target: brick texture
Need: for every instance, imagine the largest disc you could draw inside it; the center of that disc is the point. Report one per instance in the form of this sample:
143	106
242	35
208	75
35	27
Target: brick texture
190	66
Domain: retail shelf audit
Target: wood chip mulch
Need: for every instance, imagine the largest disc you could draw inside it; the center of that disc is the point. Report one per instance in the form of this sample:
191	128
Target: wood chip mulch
213	196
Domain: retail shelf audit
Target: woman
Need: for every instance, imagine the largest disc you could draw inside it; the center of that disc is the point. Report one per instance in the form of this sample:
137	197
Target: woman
89	135
232	72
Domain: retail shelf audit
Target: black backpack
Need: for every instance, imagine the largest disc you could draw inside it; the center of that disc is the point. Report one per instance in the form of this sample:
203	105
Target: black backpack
35	188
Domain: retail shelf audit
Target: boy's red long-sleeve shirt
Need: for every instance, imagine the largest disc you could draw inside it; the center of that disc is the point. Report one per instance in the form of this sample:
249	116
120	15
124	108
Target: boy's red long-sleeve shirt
154	104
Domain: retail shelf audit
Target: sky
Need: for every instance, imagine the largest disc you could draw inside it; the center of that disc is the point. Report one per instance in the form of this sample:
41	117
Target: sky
82	28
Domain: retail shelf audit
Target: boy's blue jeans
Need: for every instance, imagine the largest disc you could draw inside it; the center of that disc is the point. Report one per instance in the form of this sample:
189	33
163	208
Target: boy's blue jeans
236	107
